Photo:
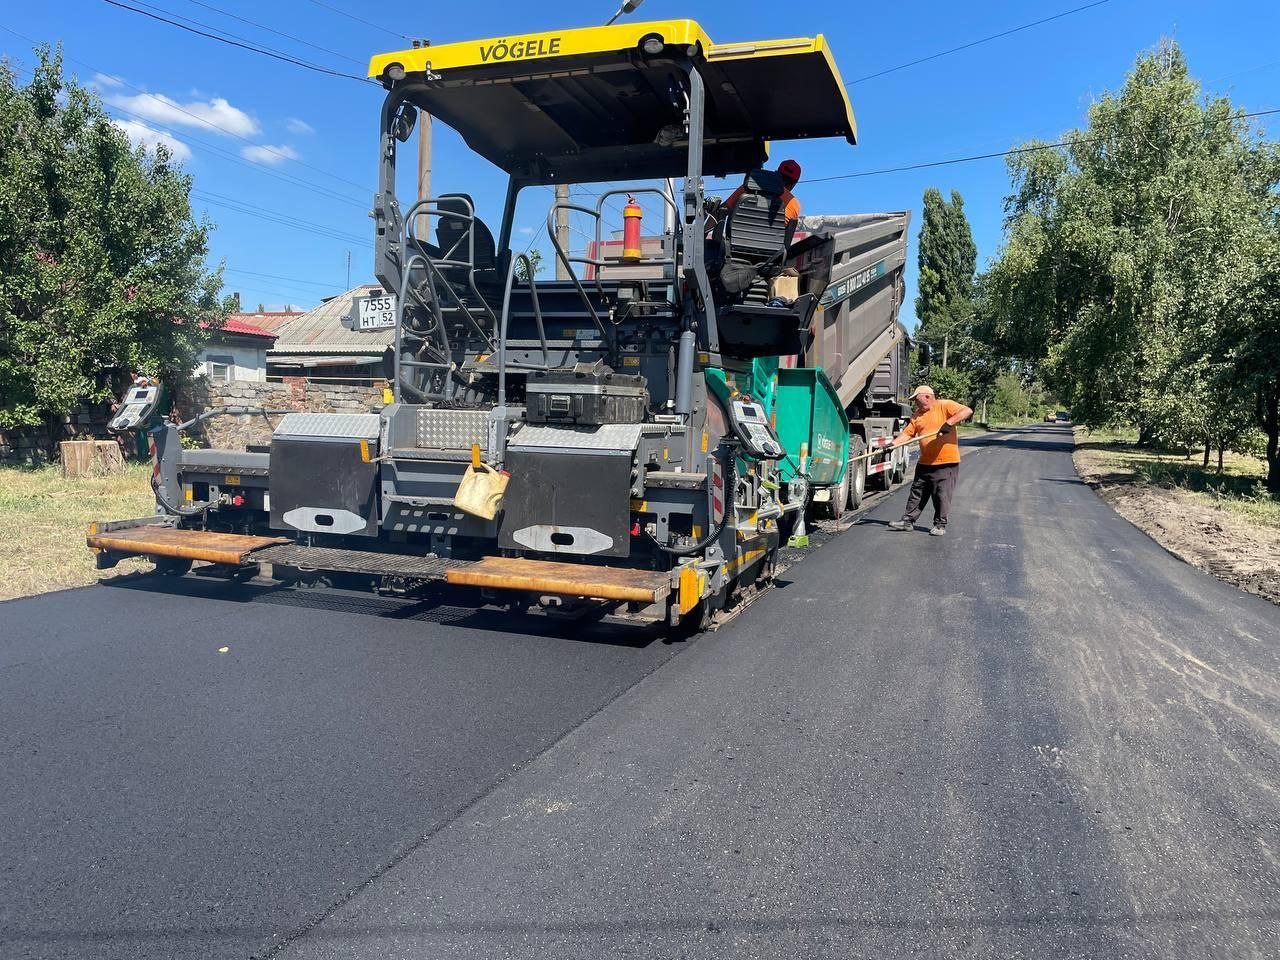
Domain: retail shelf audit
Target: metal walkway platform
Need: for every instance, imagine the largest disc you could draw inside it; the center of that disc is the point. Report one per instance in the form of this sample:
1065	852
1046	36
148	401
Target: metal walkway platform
147	537
154	540
564	579
417	567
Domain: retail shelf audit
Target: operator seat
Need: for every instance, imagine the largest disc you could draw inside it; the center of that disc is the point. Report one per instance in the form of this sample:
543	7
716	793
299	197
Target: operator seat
453	235
754	235
752	240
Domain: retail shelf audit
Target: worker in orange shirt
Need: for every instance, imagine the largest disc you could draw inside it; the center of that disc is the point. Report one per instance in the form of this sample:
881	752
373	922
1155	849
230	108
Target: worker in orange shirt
939	464
789	172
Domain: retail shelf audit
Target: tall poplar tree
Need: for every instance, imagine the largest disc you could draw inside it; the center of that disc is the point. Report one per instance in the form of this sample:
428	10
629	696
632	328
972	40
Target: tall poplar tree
947	257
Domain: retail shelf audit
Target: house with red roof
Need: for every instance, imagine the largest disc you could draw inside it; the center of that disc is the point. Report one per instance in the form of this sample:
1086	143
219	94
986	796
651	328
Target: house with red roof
238	351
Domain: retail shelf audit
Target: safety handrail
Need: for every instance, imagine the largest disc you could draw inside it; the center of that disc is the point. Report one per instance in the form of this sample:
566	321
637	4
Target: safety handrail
423	207
643	261
437	329
506	317
439	284
563	256
231	412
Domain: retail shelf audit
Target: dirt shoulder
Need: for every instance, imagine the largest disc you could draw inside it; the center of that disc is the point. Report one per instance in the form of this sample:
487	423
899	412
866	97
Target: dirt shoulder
1232	536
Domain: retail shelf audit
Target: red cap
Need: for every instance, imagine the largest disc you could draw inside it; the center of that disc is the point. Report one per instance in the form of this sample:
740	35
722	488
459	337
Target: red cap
789	169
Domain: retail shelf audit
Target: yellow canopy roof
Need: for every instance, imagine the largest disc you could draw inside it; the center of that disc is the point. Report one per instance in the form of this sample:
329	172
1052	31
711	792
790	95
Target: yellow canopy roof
604	103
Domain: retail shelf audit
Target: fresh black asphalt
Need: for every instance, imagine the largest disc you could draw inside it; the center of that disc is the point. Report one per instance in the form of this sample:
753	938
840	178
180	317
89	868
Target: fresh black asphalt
163	799
1040	736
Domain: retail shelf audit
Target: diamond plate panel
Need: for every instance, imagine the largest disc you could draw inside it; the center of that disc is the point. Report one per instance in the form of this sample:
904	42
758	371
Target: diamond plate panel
615	437
342	426
453	429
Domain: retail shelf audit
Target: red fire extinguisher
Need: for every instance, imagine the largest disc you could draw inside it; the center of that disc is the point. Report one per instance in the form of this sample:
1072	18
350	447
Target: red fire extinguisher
631	214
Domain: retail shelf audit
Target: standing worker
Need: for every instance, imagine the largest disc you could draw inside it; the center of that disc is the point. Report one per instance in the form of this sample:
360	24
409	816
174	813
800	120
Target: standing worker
939	464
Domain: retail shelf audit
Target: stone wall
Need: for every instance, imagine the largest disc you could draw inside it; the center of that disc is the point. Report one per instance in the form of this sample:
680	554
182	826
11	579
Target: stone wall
32	446
294	393
38	445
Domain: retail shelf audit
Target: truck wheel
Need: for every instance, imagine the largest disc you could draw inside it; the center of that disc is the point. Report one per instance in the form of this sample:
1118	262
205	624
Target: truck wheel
858	483
884	479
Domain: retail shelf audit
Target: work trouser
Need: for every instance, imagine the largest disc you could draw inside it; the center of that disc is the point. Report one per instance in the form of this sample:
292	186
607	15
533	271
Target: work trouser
937	483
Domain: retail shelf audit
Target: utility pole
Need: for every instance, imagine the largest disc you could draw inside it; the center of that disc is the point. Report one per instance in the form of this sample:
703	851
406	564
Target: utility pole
562	230
348	269
423	227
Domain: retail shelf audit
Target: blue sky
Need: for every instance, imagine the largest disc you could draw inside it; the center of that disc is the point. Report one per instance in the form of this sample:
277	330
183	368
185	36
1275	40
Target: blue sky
270	144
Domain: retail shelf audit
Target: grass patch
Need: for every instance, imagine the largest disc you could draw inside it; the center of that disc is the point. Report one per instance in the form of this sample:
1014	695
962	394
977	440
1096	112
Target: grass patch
43	519
1113	457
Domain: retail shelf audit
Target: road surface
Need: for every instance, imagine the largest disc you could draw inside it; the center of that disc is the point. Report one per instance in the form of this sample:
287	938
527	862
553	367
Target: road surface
1041	736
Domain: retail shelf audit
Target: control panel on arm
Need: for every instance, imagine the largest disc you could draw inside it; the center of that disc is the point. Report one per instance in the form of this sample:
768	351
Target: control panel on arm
752	428
140	405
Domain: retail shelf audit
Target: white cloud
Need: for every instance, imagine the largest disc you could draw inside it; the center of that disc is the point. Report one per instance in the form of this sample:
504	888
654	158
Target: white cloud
217	113
270	155
105	81
525	231
140	135
300	127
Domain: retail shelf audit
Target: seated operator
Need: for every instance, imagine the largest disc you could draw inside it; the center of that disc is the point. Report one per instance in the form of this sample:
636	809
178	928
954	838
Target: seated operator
789	172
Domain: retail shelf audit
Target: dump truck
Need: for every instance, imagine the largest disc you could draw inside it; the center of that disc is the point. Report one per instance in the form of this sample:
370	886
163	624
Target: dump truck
639	438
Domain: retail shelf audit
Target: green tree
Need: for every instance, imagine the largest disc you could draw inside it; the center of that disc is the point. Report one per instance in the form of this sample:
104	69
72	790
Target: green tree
1134	272
535	258
1252	345
102	265
947	258
951	383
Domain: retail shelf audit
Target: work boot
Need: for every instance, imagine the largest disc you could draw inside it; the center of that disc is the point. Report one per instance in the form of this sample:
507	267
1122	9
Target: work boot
938	531
902	525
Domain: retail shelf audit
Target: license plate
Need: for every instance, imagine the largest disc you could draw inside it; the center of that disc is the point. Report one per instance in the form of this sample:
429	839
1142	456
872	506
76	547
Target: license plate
376	313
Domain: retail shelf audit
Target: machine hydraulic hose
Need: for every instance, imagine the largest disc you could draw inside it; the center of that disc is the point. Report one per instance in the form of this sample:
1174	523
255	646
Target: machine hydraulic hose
195	510
729	464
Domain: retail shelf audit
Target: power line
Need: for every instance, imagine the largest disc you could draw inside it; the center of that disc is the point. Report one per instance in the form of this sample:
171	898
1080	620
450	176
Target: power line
278	33
975	43
1020	150
275	216
290	280
308	185
286	300
350	16
230	203
231	40
204	120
